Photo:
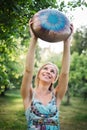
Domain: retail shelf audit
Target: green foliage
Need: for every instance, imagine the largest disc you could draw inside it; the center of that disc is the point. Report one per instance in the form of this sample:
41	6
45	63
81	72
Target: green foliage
80	41
78	73
70	5
83	92
10	65
77	3
14	15
14	37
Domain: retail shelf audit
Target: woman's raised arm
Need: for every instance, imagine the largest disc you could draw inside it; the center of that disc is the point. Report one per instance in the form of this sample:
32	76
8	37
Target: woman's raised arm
26	87
64	74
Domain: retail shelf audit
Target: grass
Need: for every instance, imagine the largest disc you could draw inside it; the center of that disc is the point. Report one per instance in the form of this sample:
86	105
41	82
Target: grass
74	116
12	117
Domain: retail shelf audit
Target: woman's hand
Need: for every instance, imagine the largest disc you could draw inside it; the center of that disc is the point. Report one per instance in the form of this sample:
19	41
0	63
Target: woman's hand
70	36
31	31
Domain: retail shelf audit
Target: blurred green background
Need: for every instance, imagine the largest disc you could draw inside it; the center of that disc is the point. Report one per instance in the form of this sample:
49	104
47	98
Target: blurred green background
14	43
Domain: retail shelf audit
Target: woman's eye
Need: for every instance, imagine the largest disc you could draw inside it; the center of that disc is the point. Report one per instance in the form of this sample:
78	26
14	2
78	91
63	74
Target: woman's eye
45	68
52	71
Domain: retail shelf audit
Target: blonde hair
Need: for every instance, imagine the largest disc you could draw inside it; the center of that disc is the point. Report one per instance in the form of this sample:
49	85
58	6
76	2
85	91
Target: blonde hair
37	76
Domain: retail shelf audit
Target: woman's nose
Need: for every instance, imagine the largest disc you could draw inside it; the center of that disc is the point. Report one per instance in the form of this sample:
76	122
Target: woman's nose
48	71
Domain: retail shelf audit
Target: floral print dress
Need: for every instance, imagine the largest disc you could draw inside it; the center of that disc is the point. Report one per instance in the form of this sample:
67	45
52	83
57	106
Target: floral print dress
43	117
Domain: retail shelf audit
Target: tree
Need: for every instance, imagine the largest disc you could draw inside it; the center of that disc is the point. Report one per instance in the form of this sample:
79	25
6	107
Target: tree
80	41
10	66
78	74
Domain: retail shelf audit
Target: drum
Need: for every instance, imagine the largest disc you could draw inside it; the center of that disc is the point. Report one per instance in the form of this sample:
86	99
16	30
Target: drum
51	25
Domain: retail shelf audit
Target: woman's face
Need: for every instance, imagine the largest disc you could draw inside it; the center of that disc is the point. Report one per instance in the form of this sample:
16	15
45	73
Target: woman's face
48	73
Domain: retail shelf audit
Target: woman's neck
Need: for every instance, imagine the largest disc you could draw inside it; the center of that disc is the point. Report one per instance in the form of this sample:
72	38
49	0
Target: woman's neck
44	86
42	89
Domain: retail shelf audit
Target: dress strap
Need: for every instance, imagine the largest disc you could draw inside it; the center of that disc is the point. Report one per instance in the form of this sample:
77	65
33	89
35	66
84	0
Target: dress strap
33	95
53	95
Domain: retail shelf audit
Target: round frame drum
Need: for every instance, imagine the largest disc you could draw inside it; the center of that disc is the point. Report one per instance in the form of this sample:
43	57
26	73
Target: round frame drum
51	25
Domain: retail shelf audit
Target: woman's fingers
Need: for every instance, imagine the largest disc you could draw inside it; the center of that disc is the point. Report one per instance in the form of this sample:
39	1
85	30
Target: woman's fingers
72	28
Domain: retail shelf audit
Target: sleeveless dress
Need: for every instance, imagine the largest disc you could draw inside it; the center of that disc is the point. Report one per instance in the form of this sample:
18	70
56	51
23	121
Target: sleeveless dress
43	117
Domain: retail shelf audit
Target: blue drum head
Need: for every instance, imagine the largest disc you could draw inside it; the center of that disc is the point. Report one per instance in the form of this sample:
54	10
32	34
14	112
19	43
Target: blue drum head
52	19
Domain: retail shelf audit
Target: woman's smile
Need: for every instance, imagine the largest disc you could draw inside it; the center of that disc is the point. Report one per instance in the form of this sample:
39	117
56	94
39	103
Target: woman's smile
47	75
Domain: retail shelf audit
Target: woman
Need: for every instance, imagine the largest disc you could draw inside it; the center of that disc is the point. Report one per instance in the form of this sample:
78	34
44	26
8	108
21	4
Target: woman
42	102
